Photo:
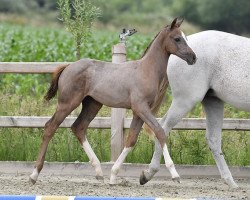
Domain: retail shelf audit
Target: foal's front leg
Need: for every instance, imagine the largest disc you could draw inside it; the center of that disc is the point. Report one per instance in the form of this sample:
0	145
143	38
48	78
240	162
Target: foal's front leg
146	115
134	130
178	109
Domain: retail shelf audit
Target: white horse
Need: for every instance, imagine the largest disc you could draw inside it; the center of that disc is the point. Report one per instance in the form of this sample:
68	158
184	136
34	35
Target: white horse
221	74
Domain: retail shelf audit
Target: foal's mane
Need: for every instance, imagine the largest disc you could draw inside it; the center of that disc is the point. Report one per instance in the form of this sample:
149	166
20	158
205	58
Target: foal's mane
151	43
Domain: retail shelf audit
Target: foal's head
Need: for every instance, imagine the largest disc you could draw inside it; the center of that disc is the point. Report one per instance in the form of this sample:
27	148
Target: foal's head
174	43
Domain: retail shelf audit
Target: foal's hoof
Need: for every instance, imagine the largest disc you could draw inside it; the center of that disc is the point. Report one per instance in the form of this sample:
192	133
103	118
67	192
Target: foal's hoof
32	181
177	179
99	178
112	183
143	179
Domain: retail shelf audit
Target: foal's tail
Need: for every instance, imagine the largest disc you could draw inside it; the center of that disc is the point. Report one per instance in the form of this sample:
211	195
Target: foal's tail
54	83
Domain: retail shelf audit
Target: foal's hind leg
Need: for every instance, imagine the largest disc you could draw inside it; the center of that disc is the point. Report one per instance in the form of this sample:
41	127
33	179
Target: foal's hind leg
90	108
63	110
214	108
134	130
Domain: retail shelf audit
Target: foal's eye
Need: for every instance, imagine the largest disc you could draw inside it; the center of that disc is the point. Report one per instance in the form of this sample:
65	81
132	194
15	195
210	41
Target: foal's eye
177	39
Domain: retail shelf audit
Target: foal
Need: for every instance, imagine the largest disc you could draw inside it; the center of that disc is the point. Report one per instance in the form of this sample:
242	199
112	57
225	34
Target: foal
133	85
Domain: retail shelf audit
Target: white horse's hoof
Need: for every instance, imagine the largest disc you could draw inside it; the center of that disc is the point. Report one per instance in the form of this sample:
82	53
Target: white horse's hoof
143	178
230	182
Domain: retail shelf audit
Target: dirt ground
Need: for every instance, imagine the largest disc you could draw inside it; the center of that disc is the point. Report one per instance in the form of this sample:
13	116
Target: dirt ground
89	186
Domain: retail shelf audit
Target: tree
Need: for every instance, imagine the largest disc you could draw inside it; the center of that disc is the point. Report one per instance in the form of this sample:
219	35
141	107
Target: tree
78	18
232	16
13	6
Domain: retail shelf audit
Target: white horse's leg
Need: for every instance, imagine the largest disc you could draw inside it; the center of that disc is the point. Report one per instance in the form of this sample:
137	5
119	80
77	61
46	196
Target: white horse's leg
214	108
177	110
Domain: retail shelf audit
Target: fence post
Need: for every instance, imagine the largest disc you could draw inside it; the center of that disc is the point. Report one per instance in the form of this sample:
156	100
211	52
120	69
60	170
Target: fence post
117	114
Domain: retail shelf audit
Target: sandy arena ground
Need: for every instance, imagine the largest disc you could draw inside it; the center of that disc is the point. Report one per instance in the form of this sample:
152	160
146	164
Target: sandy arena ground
88	186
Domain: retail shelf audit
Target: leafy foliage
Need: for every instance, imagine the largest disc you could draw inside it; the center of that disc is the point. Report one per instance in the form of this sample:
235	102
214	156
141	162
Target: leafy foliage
232	16
78	20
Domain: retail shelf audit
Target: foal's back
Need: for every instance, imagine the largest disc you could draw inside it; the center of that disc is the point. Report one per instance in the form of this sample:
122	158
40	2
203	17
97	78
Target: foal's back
223	65
106	82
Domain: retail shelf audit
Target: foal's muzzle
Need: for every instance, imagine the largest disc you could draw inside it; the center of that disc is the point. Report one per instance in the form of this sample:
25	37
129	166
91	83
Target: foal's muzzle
191	58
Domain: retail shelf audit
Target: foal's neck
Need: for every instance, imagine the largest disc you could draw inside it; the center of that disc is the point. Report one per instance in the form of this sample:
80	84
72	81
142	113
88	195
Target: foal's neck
156	57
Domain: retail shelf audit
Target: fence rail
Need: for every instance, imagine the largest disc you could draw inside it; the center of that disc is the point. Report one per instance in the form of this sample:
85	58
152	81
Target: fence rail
99	122
106	123
30	67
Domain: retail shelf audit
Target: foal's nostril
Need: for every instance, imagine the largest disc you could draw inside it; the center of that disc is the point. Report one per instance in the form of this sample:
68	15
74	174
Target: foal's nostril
194	58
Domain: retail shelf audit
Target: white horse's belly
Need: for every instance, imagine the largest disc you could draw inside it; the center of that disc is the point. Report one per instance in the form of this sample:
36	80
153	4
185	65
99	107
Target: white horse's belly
237	103
231	76
234	92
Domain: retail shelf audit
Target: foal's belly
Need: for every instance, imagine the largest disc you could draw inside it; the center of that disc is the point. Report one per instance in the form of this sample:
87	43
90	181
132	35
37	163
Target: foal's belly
111	95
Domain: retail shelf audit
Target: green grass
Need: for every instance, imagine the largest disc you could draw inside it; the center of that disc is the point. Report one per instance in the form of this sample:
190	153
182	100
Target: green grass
23	95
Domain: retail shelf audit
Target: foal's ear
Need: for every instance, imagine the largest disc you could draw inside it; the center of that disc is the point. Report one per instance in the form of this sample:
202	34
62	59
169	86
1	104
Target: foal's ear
176	22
